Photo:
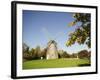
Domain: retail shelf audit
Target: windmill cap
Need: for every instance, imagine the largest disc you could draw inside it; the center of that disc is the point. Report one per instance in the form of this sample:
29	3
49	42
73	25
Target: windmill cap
52	41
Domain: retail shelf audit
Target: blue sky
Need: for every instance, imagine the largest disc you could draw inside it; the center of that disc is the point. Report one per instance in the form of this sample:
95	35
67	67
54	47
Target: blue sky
41	26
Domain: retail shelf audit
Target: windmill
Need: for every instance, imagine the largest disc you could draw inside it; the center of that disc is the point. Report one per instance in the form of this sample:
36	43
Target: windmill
52	51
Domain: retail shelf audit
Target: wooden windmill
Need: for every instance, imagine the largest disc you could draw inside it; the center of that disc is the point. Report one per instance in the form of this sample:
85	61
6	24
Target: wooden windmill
52	52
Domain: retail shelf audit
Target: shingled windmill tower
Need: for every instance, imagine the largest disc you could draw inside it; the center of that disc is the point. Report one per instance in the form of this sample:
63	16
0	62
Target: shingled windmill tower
52	52
51	49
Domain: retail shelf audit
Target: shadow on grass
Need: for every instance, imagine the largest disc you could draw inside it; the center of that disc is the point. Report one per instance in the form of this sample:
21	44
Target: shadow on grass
84	65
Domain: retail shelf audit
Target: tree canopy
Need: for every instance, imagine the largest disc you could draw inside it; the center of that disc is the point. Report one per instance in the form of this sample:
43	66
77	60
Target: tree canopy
82	33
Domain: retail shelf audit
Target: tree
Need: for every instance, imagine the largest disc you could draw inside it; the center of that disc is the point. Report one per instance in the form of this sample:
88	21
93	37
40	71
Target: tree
84	54
82	34
25	48
74	55
89	54
38	52
32	53
28	54
43	53
63	54
25	52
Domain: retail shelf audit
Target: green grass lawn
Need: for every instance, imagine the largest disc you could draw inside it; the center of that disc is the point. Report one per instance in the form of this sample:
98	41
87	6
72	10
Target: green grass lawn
55	63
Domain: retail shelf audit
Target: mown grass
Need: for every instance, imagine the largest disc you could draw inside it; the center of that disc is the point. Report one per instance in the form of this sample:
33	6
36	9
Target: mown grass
55	63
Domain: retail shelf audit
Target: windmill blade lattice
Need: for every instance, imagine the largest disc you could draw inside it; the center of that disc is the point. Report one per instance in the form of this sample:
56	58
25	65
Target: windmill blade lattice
48	36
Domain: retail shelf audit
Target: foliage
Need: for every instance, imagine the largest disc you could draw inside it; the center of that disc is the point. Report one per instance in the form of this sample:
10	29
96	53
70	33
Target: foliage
82	34
43	53
32	53
63	54
25	48
37	52
74	55
84	54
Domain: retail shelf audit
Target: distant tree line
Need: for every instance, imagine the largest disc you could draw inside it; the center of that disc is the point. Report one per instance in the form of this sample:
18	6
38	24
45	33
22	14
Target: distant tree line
37	53
81	54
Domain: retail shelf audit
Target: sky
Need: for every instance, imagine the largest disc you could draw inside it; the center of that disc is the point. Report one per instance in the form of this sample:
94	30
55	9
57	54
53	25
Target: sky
41	26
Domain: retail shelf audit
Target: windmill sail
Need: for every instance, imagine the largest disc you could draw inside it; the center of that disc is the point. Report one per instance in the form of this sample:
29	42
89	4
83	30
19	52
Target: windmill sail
52	52
48	36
